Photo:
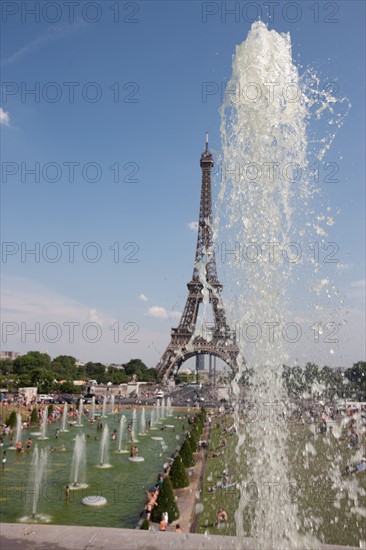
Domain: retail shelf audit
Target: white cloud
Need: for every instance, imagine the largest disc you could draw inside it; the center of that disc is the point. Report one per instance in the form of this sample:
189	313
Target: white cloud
143	298
37	317
161	313
193	226
94	318
157	311
34	316
52	32
4	117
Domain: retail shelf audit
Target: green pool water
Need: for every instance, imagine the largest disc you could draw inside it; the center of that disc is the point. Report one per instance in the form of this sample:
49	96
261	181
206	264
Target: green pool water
123	484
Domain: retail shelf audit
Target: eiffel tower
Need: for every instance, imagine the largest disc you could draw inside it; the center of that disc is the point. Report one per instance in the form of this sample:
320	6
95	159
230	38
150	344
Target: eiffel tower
188	340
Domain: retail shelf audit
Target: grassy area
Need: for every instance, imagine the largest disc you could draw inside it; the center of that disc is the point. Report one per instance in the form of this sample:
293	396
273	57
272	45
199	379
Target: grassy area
226	498
334	513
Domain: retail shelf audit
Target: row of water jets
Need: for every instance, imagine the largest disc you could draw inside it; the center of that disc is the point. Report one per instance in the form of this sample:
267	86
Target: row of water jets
78	464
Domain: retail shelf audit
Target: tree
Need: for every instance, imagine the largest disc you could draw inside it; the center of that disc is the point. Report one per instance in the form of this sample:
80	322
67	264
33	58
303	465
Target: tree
293	379
194	437
116	376
12	420
64	367
246	377
150	375
42	378
311	374
6	366
186	454
357	378
96	371
145	525
135	367
34	417
178	474
68	387
32	359
165	503
23	381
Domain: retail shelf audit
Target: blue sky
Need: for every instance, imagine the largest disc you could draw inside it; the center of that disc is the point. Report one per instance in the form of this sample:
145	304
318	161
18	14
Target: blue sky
148	68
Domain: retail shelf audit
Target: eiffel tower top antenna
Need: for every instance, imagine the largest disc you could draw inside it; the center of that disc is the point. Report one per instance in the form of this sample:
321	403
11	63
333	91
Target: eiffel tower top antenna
206	142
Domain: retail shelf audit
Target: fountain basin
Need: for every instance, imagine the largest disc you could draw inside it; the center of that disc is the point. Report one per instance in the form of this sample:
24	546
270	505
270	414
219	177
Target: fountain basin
136	459
77	486
94	501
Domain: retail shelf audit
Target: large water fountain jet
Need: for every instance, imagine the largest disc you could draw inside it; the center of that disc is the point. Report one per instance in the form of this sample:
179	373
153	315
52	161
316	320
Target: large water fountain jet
78	464
264	137
112	403
104	449
64	419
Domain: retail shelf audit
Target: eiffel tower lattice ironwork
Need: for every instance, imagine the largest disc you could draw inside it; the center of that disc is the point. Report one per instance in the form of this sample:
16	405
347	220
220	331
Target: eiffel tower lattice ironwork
187	340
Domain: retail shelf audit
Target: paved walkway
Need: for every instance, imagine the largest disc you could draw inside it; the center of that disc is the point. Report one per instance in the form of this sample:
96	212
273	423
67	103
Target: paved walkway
187	496
17	536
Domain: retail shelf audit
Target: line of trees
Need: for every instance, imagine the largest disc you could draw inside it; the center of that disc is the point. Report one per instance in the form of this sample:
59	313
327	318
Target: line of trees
325	381
38	369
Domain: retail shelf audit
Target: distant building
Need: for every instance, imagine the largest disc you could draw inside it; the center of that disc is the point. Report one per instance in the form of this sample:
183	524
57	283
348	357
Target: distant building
185	371
9	355
115	366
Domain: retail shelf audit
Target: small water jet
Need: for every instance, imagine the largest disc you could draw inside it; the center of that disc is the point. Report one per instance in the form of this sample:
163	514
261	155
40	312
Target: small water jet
121	431
169	407
92	410
44	424
158	411
64	419
163	409
104	449
153	419
142	422
80	413
78	464
37	475
104	407
133	427
18	431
